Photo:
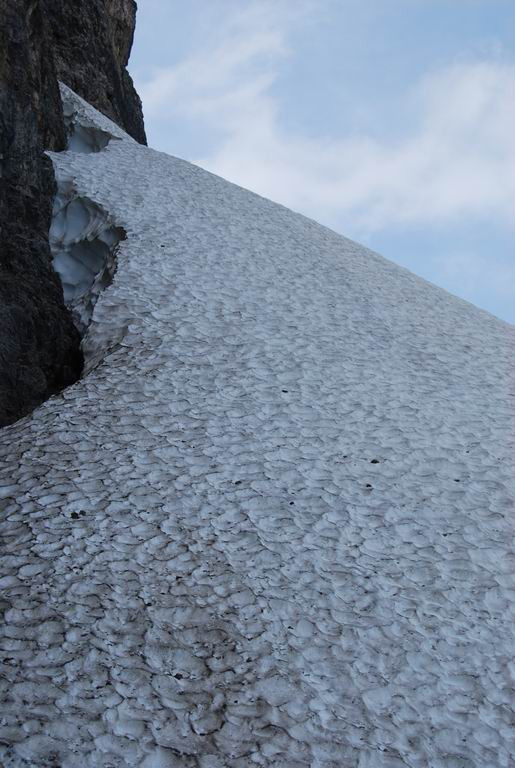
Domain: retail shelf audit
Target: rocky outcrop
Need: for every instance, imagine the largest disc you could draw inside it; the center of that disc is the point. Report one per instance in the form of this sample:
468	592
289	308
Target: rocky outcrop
91	42
87	44
39	345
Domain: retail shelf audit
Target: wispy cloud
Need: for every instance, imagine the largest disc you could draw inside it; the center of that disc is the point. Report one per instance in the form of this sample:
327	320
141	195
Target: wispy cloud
458	160
230	77
451	163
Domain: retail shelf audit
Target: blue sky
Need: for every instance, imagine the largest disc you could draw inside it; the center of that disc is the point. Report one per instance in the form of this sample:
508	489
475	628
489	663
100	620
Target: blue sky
391	121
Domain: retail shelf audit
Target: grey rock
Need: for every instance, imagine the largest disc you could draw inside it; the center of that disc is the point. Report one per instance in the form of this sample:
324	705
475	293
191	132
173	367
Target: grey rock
39	345
91	44
86	43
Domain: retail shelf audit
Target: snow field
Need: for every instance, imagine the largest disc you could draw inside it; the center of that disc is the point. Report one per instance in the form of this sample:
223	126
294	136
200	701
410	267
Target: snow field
273	524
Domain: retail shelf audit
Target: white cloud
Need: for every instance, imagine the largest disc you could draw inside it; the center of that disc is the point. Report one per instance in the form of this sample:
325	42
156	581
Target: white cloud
471	274
458	161
228	77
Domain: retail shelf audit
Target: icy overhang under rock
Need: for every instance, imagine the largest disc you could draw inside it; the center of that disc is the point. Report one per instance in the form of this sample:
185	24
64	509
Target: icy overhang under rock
87	139
83	240
84	133
83	136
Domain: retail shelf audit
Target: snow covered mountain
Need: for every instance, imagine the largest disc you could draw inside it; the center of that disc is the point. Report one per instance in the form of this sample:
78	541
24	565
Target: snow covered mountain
273	523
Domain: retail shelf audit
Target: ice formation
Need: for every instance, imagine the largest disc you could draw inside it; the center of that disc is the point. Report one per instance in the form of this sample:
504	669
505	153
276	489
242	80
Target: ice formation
87	139
273	525
83	134
82	238
83	243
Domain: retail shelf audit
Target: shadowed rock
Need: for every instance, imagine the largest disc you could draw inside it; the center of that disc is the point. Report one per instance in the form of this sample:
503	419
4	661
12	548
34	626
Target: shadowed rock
91	43
39	345
86	43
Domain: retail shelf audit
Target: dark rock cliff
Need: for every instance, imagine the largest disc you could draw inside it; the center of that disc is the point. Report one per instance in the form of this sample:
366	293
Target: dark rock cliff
91	44
86	43
39	345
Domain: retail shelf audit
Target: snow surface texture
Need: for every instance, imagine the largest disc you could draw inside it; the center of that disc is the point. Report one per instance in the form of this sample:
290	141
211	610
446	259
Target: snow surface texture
273	525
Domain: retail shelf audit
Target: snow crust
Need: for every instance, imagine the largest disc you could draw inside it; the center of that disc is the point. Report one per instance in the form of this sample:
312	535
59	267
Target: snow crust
273	525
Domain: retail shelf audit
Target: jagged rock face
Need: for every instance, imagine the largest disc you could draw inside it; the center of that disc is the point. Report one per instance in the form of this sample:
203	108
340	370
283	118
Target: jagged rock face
87	44
39	345
92	40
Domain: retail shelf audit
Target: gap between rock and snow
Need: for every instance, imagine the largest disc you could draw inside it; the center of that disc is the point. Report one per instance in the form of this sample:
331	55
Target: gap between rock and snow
82	236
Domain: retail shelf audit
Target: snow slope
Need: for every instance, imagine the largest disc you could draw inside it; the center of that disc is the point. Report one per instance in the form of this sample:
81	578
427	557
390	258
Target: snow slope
273	524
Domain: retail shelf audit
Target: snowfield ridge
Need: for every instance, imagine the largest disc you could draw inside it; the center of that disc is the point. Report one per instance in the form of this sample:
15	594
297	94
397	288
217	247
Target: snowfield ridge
273	523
